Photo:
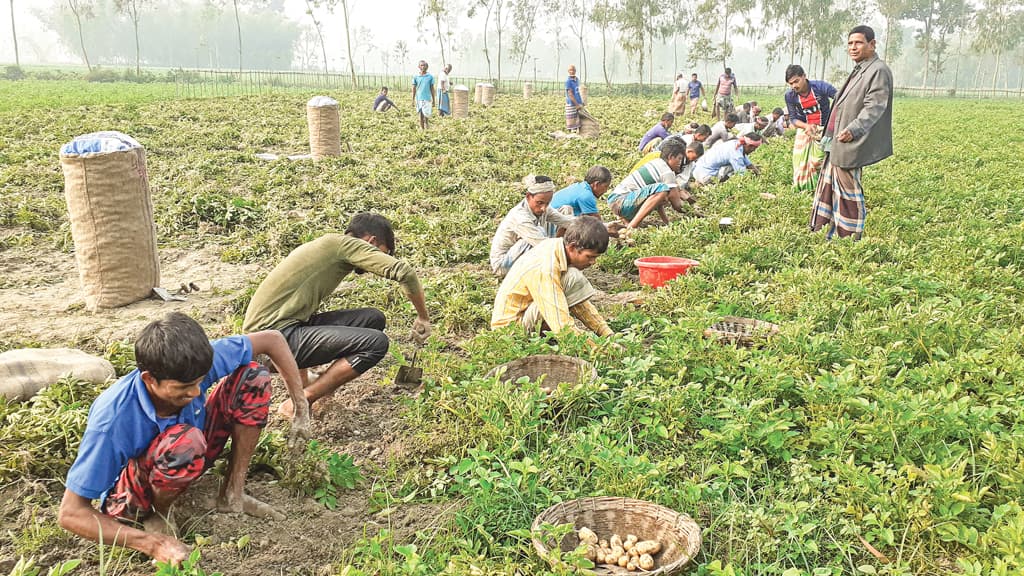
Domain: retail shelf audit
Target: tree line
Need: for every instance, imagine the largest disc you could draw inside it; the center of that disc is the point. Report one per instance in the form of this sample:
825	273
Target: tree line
937	37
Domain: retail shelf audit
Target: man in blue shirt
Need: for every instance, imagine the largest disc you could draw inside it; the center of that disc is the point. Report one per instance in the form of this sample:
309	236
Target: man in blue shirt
573	101
382	103
582	196
727	158
423	94
696	89
156	430
657	133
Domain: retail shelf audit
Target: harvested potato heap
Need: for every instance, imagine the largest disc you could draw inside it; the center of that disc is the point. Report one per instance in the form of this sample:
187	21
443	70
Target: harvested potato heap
632	553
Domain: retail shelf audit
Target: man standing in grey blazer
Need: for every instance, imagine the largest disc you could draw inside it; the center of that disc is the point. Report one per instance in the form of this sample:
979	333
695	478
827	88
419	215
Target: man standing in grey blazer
859	133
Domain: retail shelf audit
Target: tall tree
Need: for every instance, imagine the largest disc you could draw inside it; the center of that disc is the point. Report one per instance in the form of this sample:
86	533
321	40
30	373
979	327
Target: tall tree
348	41
402	54
82	9
310	6
487	6
14	36
524	16
603	16
999	28
440	12
893	11
133	10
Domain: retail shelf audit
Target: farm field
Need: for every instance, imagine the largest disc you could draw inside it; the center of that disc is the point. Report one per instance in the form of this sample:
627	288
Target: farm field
880	432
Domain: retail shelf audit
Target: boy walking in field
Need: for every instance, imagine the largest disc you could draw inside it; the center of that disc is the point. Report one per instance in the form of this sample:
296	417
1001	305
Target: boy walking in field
157	429
423	94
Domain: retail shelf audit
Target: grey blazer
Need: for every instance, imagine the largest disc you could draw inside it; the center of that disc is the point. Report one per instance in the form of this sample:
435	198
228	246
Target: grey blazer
864	107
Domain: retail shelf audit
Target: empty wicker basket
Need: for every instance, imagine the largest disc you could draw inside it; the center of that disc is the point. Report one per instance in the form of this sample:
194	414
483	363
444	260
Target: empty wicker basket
678	533
741	331
548	369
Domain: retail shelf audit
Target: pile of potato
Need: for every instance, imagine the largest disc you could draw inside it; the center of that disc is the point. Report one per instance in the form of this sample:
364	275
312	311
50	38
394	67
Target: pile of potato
632	553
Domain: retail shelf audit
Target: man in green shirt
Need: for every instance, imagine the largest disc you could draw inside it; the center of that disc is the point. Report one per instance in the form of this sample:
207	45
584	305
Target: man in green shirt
353	341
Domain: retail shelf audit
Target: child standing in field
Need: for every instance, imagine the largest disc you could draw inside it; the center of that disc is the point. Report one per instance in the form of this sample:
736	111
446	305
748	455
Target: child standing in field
423	94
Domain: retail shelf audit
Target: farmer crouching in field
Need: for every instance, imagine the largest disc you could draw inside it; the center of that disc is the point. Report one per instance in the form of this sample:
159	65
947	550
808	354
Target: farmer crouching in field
727	159
531	222
657	133
582	197
721	131
155	431
382	103
546	288
351	341
654	184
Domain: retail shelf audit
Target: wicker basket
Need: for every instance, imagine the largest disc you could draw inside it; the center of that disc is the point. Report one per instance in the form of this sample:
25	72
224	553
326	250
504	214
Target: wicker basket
678	533
742	331
548	369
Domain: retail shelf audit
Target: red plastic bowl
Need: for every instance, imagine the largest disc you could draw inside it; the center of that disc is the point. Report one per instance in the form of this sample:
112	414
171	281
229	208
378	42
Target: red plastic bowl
655	271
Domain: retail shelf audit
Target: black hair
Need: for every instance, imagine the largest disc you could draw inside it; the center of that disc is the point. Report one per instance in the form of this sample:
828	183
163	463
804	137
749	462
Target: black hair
703	130
540	179
383	88
672	147
697	147
754	136
746	106
794	70
867	31
598	174
777	111
668	117
174	348
587	234
732	118
728	70
369	224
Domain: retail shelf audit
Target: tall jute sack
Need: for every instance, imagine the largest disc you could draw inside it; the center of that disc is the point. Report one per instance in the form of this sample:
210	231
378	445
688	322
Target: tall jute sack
111	213
23	373
487	95
589	126
583	93
324	126
479	92
527	90
460	101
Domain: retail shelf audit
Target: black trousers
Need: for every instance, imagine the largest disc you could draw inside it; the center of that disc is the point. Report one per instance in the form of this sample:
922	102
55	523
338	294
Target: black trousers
356	335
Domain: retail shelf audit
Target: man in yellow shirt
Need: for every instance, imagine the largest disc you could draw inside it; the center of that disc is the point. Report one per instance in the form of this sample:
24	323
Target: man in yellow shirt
546	288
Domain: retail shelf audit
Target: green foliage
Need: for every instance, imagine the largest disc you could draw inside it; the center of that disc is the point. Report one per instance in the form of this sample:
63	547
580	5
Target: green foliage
27	567
322	474
189	567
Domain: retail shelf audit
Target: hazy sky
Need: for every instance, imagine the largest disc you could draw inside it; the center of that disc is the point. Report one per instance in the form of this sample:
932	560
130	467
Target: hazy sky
388	20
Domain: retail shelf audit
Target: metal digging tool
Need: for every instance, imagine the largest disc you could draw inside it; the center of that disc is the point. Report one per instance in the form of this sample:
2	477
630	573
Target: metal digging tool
410	375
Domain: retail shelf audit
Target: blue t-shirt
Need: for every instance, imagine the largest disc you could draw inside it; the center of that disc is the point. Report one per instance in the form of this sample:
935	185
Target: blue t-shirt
579	195
123	422
694	87
728	153
573	85
424	84
658	131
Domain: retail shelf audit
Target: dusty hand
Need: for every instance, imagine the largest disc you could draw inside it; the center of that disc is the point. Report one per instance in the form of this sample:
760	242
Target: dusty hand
421	331
300	432
170	550
845	136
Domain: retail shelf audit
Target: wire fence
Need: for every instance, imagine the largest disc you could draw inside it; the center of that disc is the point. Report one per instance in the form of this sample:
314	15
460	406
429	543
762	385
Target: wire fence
215	83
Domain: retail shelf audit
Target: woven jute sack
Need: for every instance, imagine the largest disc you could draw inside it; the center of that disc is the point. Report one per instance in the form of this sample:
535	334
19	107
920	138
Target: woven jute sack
24	372
589	126
324	127
460	102
111	215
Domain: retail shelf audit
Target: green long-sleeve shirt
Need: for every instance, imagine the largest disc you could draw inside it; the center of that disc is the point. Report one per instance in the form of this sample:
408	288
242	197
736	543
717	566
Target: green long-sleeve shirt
294	289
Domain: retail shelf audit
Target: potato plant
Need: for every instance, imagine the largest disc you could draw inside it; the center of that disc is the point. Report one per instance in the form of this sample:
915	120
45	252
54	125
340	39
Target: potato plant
880	432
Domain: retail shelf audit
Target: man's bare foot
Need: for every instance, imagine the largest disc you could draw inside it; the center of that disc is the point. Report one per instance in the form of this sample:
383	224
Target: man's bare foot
248	505
158	524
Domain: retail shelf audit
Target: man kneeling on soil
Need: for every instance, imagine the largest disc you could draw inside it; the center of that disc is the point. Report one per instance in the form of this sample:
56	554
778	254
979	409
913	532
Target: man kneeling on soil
546	288
351	341
652	185
529	223
155	431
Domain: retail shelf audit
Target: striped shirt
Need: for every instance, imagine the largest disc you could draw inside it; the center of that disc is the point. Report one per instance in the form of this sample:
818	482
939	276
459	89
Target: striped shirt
537	277
654	172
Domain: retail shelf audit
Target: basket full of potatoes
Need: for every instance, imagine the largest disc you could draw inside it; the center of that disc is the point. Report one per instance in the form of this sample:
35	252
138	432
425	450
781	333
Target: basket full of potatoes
622	535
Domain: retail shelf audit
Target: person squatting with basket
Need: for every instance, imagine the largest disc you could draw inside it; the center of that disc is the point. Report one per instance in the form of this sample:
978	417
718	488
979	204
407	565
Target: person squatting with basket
157	429
546	288
350	341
